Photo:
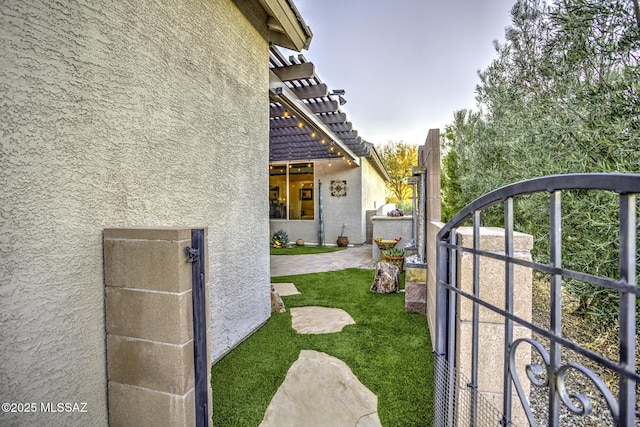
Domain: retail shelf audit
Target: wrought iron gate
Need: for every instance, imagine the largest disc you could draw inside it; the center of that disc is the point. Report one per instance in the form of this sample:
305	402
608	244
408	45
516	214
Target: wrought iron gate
457	401
196	255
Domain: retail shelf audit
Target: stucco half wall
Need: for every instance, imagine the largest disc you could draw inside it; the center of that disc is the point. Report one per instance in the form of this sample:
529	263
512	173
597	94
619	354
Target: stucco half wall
126	115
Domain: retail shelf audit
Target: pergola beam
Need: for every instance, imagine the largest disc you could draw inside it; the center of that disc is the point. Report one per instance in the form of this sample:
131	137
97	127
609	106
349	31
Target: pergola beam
295	71
340	127
333	118
352	134
283	122
306	112
315	107
315	91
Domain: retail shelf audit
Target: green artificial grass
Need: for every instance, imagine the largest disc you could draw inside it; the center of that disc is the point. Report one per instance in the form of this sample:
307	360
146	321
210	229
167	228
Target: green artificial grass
304	250
388	349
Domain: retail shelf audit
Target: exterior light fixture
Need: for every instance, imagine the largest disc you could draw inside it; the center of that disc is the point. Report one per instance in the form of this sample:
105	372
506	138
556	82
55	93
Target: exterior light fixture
339	93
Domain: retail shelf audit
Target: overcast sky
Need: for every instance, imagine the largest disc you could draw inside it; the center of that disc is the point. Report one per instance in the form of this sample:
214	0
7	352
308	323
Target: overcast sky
406	65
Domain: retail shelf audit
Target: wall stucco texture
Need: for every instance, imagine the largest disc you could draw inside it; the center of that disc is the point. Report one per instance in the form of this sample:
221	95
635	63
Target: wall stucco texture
113	115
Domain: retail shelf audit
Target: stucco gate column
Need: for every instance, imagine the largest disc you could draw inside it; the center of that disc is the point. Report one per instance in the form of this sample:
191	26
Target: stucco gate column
149	326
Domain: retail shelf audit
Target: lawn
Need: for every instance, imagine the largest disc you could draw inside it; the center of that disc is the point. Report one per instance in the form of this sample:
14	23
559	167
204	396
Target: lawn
388	349
304	250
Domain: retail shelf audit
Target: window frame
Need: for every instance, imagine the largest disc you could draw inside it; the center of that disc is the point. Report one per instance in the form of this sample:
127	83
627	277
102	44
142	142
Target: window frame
288	190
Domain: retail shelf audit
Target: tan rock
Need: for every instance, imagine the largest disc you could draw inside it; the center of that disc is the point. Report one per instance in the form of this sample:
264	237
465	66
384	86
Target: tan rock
285	289
277	306
321	390
319	320
386	279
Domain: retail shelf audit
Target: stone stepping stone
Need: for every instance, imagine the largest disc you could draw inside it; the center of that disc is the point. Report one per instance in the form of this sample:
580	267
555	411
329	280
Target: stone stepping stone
285	289
321	390
319	320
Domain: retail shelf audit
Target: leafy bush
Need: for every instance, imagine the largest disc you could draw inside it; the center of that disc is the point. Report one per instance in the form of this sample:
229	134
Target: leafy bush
561	96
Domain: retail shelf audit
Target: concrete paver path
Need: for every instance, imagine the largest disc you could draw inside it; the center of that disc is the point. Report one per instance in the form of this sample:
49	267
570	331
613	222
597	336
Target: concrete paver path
319	320
321	390
352	257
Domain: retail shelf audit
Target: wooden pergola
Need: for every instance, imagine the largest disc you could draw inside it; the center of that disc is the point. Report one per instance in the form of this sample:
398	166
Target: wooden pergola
306	122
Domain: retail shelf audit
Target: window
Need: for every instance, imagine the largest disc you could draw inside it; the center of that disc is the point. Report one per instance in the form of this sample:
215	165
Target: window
291	191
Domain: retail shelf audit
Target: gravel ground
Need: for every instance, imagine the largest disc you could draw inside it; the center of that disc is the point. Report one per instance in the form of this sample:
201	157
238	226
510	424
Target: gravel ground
574	328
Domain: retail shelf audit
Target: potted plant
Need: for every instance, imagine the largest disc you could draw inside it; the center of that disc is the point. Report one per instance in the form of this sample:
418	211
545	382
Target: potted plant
280	239
343	241
393	256
383	244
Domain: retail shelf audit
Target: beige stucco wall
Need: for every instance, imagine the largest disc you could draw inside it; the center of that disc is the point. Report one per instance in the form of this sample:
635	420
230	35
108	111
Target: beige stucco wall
374	191
126	114
364	187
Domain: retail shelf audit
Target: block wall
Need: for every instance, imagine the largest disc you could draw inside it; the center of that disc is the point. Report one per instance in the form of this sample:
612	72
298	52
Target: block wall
149	326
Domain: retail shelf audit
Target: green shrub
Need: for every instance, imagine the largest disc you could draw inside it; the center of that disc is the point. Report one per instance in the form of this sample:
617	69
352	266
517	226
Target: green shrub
393	252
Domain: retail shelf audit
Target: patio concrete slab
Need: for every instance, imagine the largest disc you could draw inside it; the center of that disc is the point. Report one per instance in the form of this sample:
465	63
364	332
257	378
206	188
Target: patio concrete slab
285	289
321	390
319	320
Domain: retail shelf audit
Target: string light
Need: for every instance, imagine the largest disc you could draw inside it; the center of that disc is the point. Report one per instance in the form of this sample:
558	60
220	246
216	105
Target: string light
286	113
300	124
322	141
313	134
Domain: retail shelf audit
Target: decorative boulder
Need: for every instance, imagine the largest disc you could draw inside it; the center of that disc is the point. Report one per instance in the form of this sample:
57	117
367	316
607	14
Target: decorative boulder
387	278
277	306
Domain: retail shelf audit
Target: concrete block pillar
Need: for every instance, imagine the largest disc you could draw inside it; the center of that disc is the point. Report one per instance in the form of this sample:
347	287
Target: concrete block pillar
149	326
415	288
491	325
432	164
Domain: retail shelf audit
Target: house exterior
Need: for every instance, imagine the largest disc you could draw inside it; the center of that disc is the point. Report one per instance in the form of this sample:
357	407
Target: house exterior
359	189
126	115
315	151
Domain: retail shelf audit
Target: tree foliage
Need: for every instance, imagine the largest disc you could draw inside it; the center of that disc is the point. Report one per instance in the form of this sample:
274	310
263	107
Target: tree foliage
561	96
399	159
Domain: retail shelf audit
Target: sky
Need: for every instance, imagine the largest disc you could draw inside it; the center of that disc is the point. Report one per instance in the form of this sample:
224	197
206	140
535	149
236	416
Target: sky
406	65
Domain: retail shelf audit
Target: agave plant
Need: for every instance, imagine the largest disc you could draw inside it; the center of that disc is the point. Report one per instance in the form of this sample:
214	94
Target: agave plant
280	239
393	252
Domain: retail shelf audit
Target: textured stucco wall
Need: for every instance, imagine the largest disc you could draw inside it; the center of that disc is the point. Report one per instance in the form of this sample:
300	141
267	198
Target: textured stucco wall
374	190
389	228
113	115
